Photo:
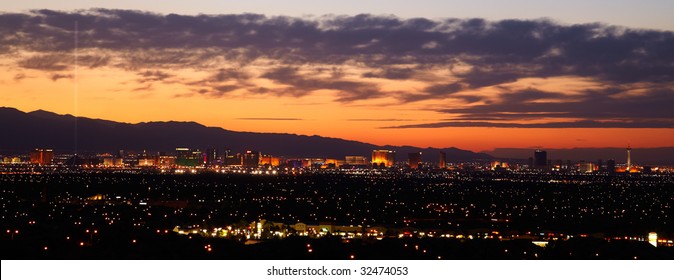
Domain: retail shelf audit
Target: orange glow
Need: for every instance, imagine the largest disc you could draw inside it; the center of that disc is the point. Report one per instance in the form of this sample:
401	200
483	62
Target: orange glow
115	94
385	157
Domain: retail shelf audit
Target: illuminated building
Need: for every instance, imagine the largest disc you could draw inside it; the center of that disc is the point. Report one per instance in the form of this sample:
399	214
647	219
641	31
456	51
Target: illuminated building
586	167
146	162
540	158
413	160
183	152
250	159
332	163
443	160
313	163
187	157
111	161
355	160
496	165
653	238
383	158
268	160
629	158
41	156
166	161
107	159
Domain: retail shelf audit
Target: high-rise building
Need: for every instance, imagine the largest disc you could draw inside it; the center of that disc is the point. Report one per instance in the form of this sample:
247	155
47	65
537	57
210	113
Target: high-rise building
41	156
610	166
183	152
355	160
629	158
383	158
413	160
187	157
443	160
228	158
540	158
212	156
250	159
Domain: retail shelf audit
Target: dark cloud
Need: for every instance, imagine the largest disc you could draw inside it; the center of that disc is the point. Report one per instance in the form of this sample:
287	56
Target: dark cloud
57	76
153	76
381	120
499	51
392	74
213	91
593	104
51	62
62	61
93	61
444	89
219	84
144	87
228	74
302	85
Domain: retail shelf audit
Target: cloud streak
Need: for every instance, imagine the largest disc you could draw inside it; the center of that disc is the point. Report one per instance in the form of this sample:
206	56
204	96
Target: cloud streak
269	119
575	124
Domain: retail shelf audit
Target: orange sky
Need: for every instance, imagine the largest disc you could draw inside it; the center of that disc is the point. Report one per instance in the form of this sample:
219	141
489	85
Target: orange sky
112	94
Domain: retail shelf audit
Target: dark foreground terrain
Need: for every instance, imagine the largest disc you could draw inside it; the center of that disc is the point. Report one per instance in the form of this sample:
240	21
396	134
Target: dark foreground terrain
102	215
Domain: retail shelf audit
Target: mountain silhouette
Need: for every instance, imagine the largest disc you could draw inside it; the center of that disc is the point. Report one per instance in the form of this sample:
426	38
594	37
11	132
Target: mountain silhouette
66	133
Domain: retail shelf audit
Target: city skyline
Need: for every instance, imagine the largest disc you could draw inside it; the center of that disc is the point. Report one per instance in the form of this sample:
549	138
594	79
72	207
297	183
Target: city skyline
381	79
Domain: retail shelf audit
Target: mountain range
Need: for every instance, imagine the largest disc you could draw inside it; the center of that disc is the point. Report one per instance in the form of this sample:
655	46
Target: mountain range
66	133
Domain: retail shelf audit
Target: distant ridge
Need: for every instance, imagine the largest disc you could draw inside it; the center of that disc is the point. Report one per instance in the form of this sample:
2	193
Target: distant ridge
26	131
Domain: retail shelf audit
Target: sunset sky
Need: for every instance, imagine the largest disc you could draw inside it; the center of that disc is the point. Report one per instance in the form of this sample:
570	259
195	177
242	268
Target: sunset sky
435	73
